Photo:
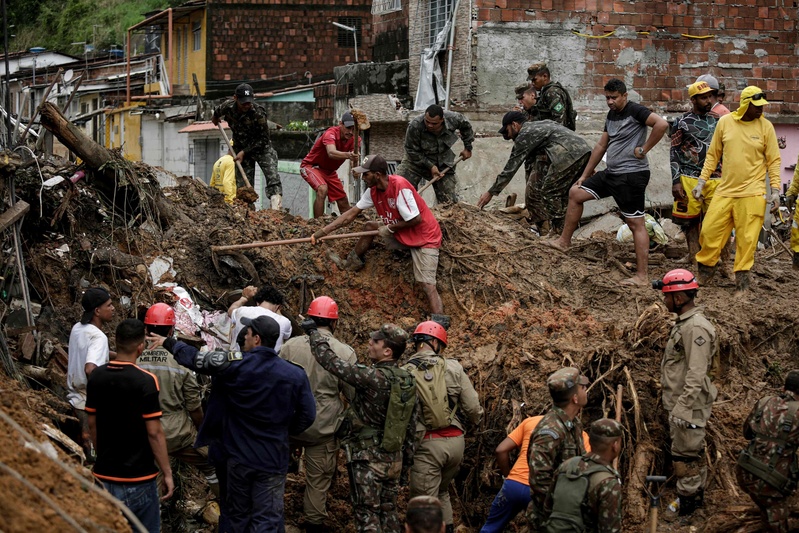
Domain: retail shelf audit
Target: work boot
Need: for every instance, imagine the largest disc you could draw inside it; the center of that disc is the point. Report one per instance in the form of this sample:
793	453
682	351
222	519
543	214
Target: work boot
543	228
742	281
796	260
277	202
706	274
316	528
353	262
450	528
443	320
689	504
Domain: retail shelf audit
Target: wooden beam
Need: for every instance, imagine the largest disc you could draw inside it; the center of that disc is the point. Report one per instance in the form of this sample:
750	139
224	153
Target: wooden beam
14	213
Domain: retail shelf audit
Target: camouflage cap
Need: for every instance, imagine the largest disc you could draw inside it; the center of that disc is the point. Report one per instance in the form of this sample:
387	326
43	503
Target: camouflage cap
534	69
392	333
606	427
565	379
520	89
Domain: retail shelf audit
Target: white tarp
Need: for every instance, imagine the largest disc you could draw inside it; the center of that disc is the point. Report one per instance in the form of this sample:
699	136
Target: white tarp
430	73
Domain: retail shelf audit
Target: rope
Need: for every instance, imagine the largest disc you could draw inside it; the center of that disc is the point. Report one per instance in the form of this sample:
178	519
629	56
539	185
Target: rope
609	34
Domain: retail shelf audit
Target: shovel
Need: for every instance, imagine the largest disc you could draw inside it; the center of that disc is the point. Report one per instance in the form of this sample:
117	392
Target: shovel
446	170
238	165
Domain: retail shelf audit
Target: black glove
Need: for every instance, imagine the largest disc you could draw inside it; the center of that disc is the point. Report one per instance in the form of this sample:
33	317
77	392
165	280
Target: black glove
405	476
309	326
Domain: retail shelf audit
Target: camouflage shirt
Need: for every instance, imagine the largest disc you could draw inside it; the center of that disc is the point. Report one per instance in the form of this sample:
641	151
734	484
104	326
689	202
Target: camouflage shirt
555	439
371	399
562	146
601	507
765	424
554	103
690	138
250	129
425	150
689	364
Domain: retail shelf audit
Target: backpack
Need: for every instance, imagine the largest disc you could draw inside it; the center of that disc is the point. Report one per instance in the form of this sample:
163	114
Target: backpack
569	114
569	495
400	407
431	386
764	467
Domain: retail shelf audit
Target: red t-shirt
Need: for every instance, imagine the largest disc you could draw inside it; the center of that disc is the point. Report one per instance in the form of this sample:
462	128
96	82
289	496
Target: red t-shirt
318	155
400	201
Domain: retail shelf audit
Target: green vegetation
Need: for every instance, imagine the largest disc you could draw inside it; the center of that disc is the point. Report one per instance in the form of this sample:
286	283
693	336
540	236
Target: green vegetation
56	24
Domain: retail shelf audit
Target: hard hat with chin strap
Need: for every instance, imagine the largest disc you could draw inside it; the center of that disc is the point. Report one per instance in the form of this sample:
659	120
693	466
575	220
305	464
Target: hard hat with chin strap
675	281
160	314
430	329
323	307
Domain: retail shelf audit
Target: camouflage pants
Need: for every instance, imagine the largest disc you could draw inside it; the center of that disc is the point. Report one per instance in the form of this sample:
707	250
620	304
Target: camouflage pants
267	160
550	196
533	200
775	508
687	451
446	188
375	495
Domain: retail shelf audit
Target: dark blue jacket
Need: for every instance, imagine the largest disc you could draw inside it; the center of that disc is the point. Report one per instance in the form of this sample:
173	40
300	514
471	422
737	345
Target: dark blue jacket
255	404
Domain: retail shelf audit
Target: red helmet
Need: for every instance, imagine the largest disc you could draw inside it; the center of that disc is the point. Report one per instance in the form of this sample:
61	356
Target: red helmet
431	329
323	307
160	314
678	280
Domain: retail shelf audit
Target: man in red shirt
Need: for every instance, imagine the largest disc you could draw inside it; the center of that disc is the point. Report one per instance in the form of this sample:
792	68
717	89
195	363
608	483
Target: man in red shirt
406	224
320	165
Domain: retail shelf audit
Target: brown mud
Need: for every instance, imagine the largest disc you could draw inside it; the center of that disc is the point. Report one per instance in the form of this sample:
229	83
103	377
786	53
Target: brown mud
519	311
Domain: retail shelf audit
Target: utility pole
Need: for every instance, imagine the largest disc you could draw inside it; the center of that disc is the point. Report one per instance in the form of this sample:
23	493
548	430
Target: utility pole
7	99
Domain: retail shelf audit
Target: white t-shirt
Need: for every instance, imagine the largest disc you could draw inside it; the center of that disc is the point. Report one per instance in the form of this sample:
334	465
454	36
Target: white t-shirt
87	344
253	312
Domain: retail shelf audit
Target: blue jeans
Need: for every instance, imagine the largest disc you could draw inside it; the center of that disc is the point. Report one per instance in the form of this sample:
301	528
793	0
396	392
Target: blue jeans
141	499
511	498
254	499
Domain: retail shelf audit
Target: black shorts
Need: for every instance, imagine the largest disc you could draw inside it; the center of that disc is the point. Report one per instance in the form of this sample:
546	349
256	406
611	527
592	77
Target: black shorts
627	189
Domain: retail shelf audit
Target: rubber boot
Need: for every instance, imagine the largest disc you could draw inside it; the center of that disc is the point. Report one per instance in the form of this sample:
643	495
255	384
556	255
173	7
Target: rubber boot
277	202
742	281
796	260
353	262
443	320
706	274
689	504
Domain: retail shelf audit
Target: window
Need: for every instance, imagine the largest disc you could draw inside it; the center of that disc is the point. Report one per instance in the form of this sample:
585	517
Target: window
345	38
380	7
439	14
196	29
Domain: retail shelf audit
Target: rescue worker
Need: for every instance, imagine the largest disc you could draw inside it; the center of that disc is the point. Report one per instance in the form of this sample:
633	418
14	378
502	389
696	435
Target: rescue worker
746	142
790	199
319	441
379	426
406	223
445	393
179	396
250	127
223	177
567	152
556	438
554	102
428	150
527	104
597	505
690	137
424	515
257	400
767	468
716	95
690	363
535	166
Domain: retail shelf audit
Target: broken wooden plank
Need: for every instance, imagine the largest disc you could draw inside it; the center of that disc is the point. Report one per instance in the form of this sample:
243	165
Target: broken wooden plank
13	213
28	346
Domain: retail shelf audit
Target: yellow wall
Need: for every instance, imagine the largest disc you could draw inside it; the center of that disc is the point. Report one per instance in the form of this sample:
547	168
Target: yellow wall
185	60
124	129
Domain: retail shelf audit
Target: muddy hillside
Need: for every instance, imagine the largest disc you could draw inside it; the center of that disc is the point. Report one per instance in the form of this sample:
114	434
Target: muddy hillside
519	311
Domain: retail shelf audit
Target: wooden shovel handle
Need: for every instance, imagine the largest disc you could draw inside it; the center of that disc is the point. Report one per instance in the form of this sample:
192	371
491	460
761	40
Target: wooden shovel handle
233	153
265	244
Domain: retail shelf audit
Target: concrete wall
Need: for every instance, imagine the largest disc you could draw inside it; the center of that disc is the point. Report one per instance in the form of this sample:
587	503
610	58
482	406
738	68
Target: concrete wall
285	112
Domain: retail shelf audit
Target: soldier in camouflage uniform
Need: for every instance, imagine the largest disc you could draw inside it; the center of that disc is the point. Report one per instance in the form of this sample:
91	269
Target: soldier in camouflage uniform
773	432
567	151
250	128
599	504
689	365
376	472
428	150
554	102
557	437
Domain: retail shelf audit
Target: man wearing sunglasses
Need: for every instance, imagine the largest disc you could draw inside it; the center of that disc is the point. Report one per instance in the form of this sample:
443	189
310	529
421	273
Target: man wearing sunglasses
748	145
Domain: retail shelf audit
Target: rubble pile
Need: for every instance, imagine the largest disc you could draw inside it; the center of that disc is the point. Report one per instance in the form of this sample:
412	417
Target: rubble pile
519	311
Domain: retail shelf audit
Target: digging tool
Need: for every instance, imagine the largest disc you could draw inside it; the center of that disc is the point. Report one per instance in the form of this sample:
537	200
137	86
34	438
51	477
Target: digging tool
446	170
619	394
232	152
654	501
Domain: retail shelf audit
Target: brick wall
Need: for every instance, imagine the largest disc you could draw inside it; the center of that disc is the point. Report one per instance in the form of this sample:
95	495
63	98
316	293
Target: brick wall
654	48
390	35
267	39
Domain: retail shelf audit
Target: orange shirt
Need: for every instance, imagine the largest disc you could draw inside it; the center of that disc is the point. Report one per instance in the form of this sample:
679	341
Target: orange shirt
521	436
